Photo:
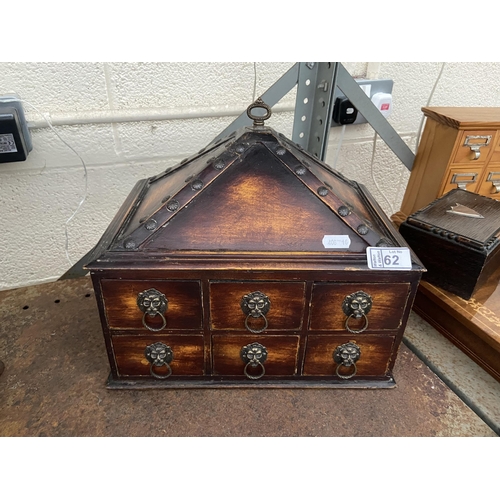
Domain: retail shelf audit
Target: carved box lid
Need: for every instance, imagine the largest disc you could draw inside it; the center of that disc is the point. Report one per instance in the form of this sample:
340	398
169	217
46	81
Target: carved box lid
466	218
253	193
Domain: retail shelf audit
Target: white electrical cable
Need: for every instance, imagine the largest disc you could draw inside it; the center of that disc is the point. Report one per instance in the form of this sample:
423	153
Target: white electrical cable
254	81
428	104
85	176
373	174
337	153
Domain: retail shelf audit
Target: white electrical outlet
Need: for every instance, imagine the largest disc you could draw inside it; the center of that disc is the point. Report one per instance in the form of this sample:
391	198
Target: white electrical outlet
370	88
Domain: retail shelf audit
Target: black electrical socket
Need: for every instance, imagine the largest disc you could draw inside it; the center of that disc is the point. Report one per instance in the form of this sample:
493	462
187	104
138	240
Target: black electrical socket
344	113
12	144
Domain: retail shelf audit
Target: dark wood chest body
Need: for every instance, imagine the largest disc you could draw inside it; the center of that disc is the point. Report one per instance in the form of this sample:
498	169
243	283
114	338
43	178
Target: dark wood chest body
215	273
460	252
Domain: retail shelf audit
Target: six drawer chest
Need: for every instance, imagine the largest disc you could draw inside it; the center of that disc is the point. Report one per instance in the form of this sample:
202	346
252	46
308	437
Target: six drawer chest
246	265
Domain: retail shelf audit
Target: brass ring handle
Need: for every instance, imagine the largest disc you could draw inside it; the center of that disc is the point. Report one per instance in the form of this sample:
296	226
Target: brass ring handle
253	364
152	302
345	377
346	355
254	355
350	330
250	329
150	327
156	375
159	354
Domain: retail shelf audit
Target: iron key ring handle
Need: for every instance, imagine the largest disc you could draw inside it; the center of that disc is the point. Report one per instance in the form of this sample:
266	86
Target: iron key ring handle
250	329
259	120
361	330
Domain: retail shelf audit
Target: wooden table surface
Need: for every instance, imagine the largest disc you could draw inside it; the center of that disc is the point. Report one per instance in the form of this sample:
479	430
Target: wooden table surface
56	366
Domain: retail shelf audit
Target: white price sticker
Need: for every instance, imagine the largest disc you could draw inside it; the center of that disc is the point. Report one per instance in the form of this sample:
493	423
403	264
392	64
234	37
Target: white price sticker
336	241
388	258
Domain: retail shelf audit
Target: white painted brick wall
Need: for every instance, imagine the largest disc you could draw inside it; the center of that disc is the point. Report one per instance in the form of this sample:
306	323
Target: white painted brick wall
38	196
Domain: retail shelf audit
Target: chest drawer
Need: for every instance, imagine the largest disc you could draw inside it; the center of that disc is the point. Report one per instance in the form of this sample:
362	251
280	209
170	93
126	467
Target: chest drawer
237	306
177	354
272	355
180	308
375	353
334	306
474	146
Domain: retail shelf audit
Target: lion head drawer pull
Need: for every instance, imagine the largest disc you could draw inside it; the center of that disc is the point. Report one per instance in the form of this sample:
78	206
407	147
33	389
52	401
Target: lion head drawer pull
255	305
357	305
159	354
152	302
254	355
346	355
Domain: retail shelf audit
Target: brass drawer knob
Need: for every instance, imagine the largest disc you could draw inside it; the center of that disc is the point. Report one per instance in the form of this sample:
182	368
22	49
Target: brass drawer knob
346	355
152	303
159	354
255	305
357	305
254	355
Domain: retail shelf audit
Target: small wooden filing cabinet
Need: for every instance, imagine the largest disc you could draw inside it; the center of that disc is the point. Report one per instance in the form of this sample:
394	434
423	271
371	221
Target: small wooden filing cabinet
460	148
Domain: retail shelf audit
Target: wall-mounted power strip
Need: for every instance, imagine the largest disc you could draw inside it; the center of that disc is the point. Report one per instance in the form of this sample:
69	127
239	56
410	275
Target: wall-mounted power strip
15	138
345	113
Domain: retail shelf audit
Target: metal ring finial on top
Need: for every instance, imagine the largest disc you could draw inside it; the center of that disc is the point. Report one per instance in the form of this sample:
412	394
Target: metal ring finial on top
258	121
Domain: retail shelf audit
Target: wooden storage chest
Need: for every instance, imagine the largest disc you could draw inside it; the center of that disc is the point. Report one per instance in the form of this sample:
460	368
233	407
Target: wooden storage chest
245	265
458	239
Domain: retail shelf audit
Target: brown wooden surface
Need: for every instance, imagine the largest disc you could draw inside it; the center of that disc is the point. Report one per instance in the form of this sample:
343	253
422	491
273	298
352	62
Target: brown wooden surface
188	353
473	325
465	117
386	312
258	196
286	311
184	304
281	360
376	352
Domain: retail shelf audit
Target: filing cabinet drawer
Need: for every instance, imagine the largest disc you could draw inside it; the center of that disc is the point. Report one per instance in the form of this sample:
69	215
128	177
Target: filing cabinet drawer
474	146
464	178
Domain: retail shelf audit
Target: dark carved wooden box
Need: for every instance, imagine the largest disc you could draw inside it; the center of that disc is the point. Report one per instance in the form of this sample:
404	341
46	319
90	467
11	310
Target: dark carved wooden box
245	265
457	237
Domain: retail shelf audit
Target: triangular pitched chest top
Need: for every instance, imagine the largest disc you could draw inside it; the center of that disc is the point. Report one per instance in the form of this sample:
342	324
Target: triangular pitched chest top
256	193
246	264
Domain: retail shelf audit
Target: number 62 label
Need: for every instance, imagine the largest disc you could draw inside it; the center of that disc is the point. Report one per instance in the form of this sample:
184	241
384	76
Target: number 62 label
388	258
